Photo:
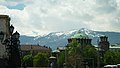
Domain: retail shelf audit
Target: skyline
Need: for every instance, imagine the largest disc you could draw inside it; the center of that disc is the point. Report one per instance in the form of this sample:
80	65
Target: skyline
43	16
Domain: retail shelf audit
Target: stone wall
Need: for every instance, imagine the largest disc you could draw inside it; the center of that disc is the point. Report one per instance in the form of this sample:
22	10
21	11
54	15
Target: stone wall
4	26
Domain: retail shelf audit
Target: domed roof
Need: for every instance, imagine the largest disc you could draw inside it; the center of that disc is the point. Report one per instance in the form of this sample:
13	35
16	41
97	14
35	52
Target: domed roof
103	36
80	35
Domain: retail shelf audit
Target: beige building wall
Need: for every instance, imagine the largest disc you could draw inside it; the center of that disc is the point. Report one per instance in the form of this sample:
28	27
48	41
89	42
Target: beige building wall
4	26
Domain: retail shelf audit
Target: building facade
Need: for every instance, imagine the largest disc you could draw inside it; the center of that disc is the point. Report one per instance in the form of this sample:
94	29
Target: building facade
115	47
81	38
34	49
104	43
4	27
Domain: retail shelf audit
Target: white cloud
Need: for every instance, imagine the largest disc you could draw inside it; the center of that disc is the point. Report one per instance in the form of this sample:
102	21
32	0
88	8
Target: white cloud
43	16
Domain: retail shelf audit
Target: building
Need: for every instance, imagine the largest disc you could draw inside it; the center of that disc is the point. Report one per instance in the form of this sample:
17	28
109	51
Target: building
115	47
111	47
34	49
84	40
4	27
81	38
104	43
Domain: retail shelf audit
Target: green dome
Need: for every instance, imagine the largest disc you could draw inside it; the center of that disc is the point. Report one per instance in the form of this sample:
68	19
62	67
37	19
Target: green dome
80	35
103	36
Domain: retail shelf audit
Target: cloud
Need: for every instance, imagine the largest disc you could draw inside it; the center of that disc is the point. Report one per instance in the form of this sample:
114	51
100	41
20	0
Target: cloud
106	6
44	16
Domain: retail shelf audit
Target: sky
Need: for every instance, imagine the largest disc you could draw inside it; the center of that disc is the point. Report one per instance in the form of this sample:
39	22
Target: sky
39	17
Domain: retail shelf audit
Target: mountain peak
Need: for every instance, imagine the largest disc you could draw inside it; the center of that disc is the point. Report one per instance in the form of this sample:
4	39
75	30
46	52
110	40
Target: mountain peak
56	39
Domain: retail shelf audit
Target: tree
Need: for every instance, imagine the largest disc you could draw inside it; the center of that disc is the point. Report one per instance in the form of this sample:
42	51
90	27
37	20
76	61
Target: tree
28	60
112	57
61	59
90	55
78	55
89	51
74	55
41	60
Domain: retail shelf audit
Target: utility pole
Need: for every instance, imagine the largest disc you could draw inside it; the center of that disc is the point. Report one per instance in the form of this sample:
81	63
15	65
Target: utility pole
93	62
98	55
65	64
75	58
98	58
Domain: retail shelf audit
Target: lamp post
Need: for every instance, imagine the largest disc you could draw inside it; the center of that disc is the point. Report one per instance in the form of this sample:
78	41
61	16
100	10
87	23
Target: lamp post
11	29
53	60
56	52
12	46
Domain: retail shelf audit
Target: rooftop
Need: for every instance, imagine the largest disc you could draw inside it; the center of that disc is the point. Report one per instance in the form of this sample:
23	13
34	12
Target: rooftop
80	35
115	46
111	47
34	47
2	16
103	36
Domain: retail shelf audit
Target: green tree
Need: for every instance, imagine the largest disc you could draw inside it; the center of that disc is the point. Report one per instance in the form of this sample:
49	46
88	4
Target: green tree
74	55
89	51
28	60
61	59
90	55
78	55
41	60
112	57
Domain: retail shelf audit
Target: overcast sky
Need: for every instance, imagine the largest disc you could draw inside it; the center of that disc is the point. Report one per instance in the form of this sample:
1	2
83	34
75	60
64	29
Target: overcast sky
38	17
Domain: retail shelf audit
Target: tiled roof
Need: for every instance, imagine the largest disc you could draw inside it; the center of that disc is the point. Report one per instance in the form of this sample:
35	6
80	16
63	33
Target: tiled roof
34	47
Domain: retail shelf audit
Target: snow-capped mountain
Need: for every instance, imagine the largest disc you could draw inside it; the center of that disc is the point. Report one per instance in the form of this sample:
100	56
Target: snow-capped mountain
90	33
57	39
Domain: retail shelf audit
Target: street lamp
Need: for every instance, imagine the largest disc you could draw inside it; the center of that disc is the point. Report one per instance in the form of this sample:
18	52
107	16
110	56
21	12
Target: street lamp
11	29
53	61
56	53
12	46
16	35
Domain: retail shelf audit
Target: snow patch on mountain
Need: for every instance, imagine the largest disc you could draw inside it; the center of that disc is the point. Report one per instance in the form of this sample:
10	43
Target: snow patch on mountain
56	39
90	33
